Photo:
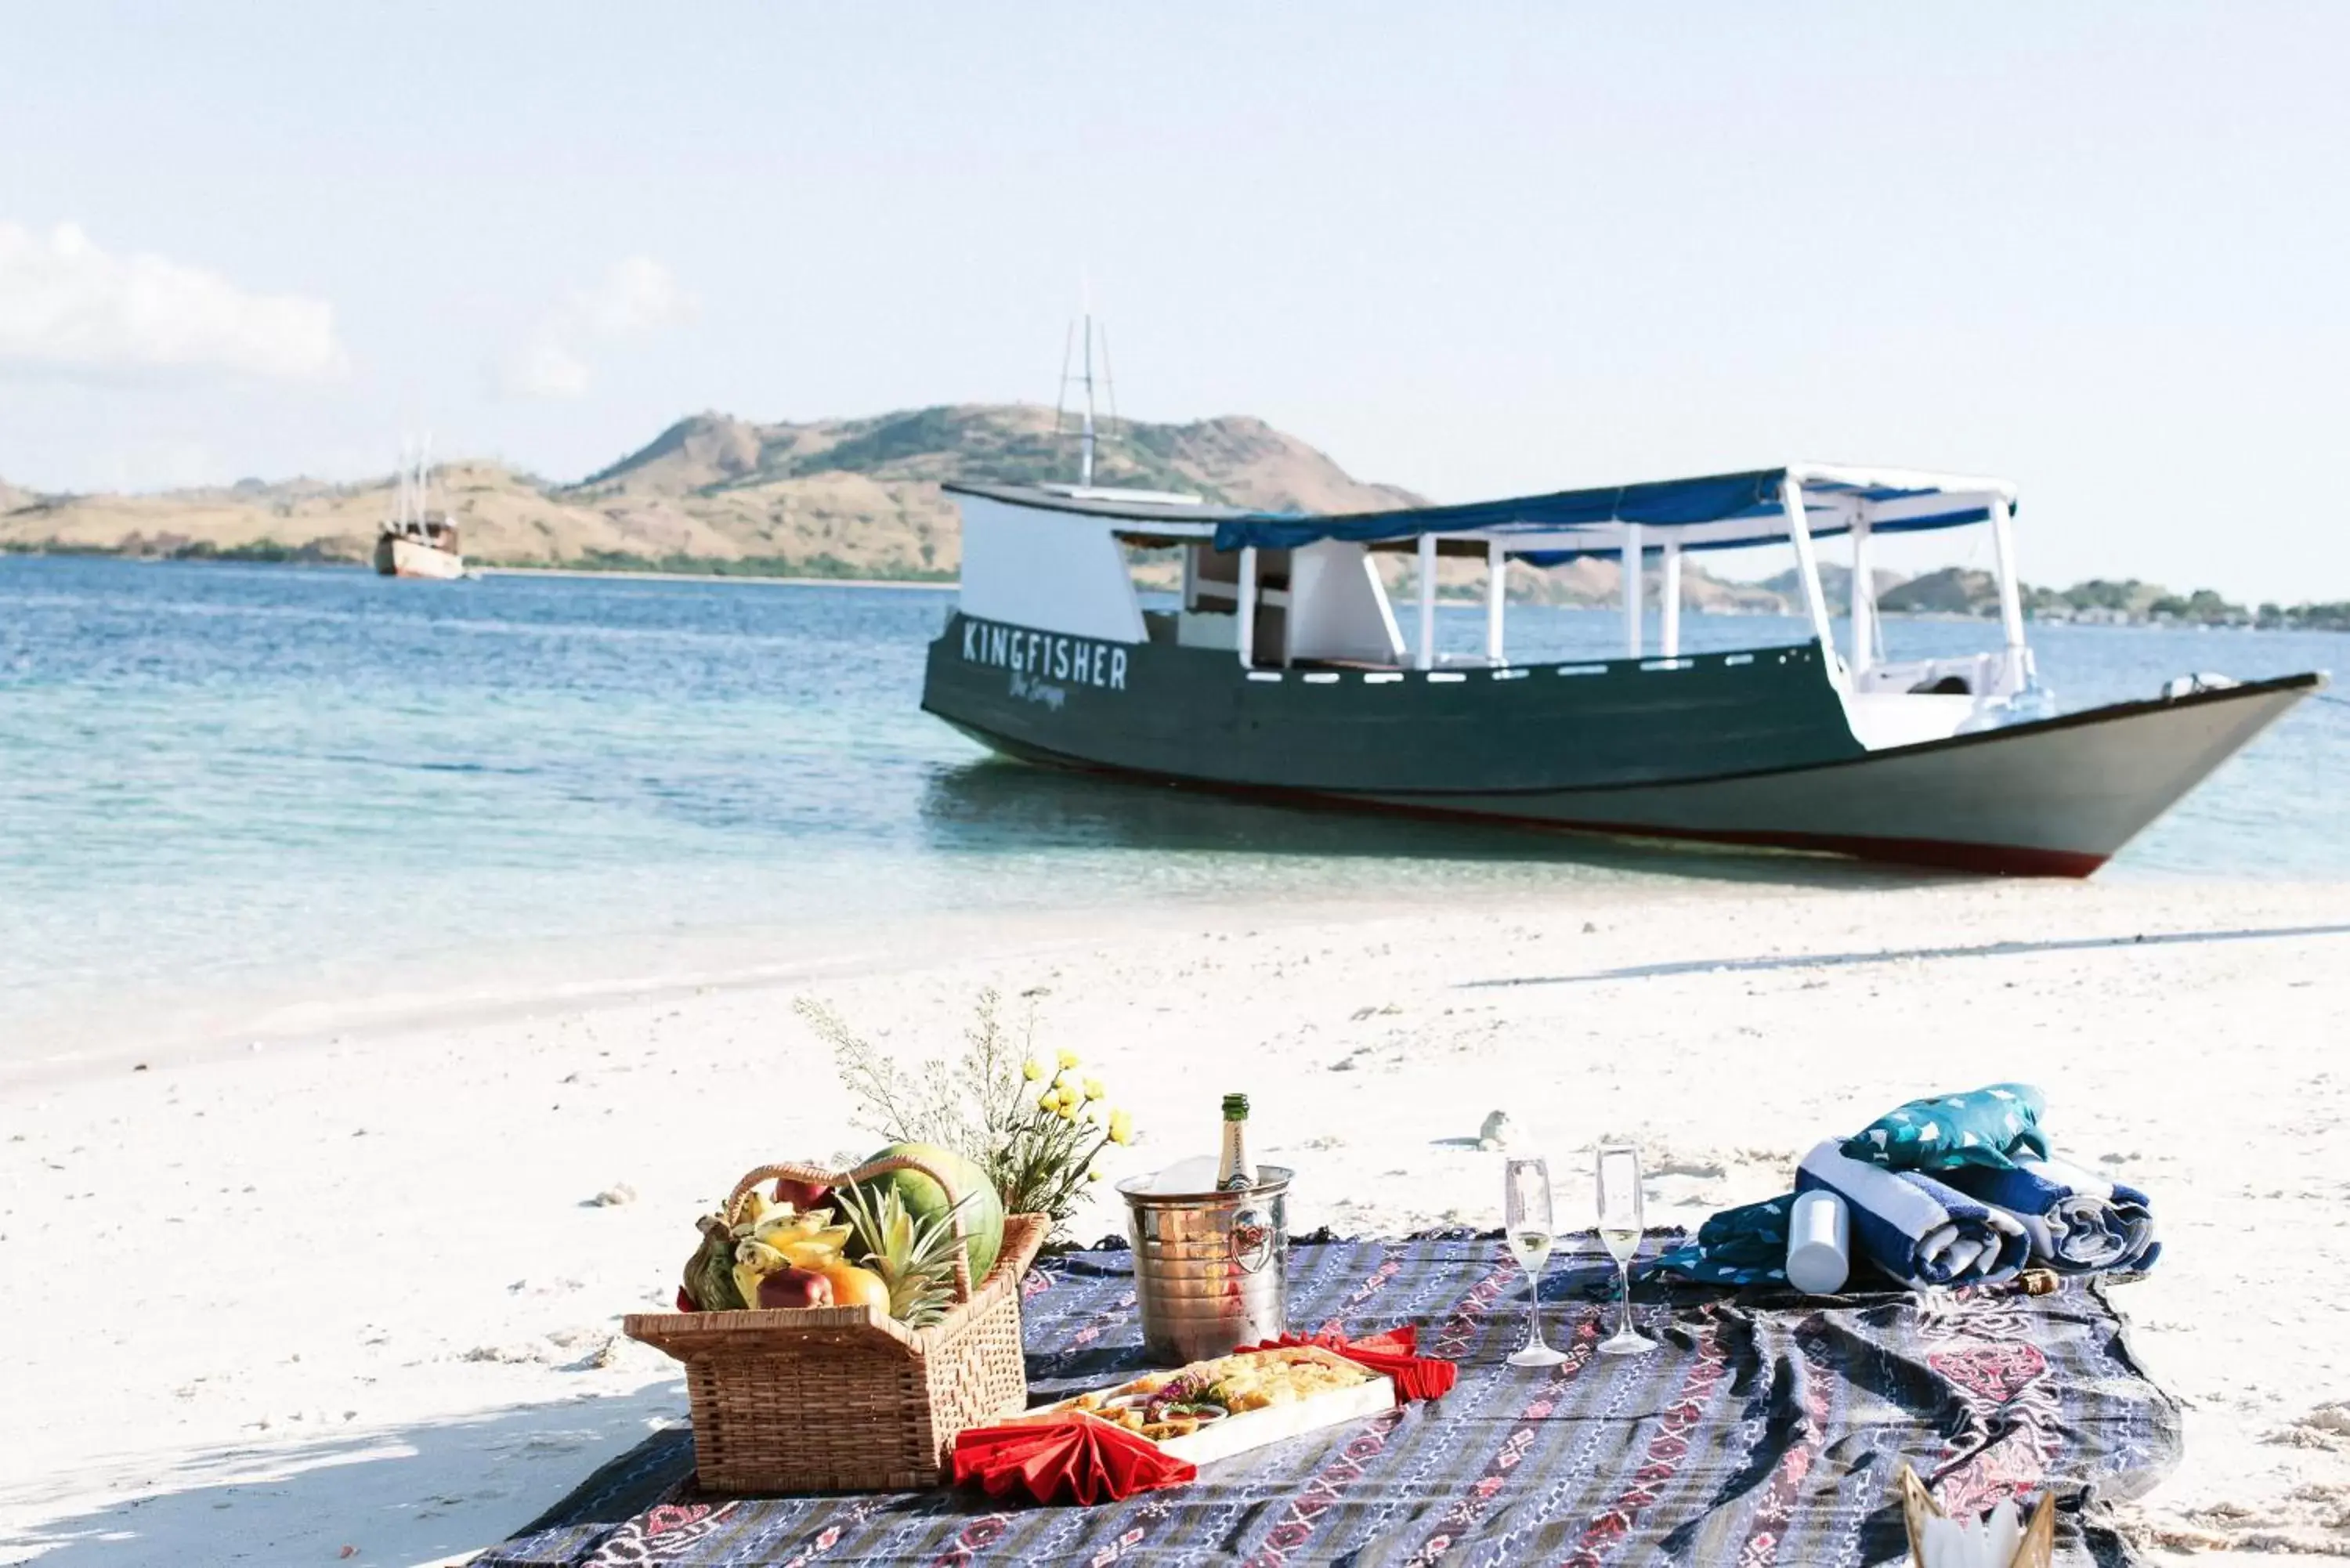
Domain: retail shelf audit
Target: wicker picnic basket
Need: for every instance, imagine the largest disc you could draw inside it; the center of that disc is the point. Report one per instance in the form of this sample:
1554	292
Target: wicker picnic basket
847	1398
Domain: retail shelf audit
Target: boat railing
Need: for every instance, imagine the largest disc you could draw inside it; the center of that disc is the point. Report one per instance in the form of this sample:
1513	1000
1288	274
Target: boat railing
1330	672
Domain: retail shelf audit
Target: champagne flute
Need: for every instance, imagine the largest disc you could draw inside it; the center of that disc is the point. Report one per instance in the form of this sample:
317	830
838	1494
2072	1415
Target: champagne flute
1620	1225
1526	1222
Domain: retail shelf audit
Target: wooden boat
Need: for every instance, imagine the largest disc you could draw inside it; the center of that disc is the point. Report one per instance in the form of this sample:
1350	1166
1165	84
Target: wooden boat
1282	671
414	541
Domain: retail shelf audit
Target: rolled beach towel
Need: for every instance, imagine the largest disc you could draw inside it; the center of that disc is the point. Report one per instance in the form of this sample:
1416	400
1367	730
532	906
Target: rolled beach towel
1917	1228
2079	1223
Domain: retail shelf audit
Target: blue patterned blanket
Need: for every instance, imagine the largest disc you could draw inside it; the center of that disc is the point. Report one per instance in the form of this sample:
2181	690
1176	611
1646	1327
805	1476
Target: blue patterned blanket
1767	1431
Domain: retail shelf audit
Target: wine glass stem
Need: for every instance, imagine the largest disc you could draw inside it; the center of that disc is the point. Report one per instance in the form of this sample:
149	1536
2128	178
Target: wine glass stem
1533	1313
1624	1316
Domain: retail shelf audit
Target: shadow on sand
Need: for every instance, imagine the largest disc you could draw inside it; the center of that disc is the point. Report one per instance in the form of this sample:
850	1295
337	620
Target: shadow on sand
998	806
1894	955
400	1495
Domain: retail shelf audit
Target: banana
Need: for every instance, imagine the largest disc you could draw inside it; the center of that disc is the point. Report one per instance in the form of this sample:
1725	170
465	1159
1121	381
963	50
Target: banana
759	1256
746	1281
812	1252
755	1209
787	1221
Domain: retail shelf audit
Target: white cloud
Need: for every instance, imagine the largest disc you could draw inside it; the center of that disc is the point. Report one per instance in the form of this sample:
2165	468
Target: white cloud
638	295
544	368
634	298
67	305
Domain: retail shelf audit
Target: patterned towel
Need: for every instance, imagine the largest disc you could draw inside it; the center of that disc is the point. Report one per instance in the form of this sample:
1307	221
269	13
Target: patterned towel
1742	1246
1992	1127
1919	1231
2079	1223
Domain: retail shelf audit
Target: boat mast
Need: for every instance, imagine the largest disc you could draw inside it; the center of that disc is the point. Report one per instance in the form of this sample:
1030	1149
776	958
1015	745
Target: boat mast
1085	441
1079	342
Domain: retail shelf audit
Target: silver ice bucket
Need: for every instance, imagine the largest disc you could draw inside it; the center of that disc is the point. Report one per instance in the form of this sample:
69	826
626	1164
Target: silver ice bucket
1211	1269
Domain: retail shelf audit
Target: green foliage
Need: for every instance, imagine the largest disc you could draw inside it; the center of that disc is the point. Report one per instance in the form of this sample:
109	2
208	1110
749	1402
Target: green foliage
918	434
265	550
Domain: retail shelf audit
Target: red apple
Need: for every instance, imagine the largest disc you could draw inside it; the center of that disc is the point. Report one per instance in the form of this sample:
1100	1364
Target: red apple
802	1196
794	1288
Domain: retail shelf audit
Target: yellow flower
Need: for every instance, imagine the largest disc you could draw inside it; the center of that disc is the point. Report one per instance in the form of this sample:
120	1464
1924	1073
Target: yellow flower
1094	1090
1032	1069
1093	1175
1068	1058
1068	1101
1121	1127
1050	1100
1068	1112
1066	1083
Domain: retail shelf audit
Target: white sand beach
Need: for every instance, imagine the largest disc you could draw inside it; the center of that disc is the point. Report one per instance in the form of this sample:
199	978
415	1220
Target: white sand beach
291	1291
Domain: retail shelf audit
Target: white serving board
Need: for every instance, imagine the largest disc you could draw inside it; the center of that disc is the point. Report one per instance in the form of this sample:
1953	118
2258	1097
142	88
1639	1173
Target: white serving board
1273	1423
1255	1428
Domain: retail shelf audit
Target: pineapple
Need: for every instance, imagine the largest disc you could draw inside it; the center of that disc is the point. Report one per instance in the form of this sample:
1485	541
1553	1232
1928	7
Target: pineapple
915	1261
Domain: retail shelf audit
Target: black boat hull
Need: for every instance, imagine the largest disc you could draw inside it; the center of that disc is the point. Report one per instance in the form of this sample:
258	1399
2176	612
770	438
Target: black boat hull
1750	749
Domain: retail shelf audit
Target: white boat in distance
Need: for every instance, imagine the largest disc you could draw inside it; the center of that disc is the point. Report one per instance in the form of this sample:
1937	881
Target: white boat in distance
413	543
1283	672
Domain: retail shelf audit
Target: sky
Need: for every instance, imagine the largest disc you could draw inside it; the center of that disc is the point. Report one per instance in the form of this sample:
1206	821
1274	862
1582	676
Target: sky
1474	249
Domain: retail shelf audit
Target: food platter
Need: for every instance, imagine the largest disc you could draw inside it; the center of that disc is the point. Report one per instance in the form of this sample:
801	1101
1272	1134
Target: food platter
1211	1410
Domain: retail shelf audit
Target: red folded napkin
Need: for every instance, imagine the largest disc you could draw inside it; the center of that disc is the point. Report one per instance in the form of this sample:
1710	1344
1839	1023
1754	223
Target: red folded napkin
1394	1353
1066	1457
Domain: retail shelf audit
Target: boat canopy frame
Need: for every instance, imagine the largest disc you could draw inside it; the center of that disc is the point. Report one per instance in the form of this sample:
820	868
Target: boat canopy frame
1799	503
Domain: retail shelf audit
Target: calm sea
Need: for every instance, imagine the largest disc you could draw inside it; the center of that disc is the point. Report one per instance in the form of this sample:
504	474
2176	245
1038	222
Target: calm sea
218	773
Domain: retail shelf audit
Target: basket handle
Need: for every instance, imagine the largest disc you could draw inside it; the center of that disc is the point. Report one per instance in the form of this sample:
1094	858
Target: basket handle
792	1170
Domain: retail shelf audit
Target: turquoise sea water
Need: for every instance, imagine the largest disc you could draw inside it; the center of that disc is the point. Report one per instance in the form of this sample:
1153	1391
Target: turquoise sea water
215	771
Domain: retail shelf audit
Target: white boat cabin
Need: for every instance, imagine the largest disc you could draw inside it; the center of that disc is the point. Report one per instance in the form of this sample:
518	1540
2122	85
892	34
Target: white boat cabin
1300	597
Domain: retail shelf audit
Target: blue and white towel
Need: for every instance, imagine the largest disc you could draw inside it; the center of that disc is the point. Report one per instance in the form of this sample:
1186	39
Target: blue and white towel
2079	1223
1921	1230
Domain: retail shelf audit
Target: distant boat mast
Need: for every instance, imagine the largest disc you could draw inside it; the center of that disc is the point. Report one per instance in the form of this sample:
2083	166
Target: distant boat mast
413	495
1077	348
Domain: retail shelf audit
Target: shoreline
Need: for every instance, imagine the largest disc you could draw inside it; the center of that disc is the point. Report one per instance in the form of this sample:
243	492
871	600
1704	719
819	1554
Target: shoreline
64	1039
920	584
1453	601
389	1316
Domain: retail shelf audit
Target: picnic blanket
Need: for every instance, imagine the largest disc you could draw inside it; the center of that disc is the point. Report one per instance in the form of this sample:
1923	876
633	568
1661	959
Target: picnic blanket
1769	1430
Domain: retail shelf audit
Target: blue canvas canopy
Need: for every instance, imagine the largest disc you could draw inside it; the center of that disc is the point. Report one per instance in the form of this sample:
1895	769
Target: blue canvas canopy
1716	511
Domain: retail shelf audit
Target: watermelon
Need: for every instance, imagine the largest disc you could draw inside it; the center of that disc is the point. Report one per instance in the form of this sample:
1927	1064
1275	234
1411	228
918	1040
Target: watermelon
983	1217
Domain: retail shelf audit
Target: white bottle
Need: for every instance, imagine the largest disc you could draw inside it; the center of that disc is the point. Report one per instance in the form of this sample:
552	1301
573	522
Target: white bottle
1819	1243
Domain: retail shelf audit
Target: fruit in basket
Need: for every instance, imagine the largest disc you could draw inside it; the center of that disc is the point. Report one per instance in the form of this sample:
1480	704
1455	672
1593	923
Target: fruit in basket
914	1258
806	1239
983	1211
752	1212
853	1286
710	1272
784	1240
794	1288
802	1196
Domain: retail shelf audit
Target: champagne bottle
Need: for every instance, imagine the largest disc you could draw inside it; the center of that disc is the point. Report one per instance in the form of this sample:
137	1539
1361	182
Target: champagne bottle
1233	1170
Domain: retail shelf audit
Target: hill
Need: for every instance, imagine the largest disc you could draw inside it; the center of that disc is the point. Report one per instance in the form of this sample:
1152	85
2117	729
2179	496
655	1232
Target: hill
847	497
861	498
1835	586
834	497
